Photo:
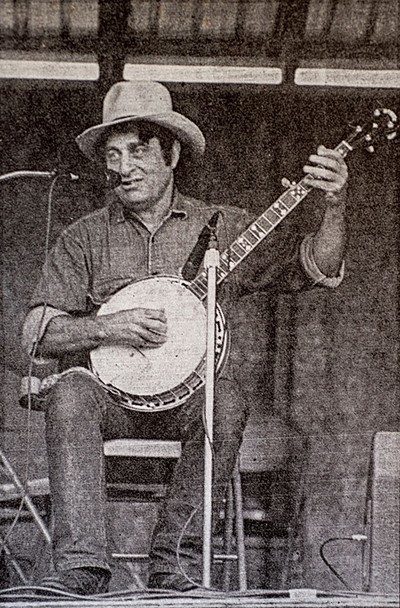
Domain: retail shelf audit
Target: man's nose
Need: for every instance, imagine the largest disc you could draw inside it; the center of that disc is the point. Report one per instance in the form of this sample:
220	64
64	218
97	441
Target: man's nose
127	164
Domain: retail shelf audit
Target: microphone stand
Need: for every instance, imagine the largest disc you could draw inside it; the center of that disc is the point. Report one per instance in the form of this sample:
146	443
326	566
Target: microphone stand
15	174
23	173
211	263
112	179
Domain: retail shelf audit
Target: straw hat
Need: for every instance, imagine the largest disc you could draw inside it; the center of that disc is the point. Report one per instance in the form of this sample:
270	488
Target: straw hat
148	101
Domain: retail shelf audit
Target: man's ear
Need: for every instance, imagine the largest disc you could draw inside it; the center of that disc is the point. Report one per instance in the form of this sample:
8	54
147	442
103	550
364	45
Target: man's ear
175	153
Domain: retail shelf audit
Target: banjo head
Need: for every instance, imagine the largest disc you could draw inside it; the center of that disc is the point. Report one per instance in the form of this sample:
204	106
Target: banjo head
151	372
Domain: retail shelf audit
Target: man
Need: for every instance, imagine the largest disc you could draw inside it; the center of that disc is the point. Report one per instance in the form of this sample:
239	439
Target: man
147	228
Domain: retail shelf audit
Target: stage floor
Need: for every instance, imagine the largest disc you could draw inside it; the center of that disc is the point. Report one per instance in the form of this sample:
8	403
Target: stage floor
23	597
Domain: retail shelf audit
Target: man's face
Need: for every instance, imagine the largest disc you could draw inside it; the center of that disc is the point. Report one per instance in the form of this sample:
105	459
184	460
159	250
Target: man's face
144	173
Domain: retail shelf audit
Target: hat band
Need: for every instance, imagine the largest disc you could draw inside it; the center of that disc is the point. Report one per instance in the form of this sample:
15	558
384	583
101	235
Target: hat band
123	117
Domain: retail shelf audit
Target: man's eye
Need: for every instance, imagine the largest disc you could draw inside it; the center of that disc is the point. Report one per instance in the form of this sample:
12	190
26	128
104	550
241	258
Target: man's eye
112	156
138	150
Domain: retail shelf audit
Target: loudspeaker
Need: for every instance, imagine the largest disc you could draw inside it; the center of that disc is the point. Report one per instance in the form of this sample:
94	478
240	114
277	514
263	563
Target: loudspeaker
381	571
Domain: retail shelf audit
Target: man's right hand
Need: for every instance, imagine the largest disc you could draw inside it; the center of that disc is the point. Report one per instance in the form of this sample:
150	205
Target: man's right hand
138	327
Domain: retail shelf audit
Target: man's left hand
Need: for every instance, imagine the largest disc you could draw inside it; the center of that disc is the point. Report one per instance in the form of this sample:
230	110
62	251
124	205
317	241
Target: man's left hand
327	171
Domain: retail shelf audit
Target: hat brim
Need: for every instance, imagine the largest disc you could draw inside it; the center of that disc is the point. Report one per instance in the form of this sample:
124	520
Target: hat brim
184	129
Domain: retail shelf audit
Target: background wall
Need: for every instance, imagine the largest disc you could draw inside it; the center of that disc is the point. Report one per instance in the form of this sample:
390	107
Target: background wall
335	353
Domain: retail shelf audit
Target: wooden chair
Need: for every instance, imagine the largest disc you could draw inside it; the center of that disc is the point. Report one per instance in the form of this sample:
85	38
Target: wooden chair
13	492
265	448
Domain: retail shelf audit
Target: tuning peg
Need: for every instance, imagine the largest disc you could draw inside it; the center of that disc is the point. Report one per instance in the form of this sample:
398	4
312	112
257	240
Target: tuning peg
371	149
391	114
391	135
287	183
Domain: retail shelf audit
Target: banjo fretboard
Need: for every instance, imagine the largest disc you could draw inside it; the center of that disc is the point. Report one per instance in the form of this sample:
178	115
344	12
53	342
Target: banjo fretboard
259	230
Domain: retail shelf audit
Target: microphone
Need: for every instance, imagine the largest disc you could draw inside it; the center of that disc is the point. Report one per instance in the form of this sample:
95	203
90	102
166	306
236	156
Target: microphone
103	177
192	265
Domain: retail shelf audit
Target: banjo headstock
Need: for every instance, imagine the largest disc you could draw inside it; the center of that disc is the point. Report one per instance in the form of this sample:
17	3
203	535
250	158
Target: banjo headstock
383	125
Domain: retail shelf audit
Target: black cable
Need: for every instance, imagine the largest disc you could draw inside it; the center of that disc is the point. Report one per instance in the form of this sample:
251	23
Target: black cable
178	546
32	357
355	538
27	592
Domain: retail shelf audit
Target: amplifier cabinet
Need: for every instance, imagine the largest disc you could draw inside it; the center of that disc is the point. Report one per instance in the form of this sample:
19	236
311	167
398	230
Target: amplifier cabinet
381	567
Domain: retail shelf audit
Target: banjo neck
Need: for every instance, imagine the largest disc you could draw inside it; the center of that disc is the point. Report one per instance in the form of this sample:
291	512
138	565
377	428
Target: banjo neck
259	230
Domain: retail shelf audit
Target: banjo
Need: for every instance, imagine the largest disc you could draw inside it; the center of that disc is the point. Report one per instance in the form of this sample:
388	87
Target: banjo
165	377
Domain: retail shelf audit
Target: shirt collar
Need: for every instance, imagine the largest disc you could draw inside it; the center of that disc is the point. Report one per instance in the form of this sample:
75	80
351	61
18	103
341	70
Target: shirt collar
118	214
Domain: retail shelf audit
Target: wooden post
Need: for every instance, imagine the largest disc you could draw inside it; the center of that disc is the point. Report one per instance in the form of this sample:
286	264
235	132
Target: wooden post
112	41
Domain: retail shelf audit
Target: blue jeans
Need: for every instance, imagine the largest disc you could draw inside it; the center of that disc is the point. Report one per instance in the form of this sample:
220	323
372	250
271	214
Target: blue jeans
80	415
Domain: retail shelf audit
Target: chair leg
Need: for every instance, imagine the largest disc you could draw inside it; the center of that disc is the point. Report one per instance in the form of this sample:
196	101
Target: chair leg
239	528
4	547
39	521
292	574
228	538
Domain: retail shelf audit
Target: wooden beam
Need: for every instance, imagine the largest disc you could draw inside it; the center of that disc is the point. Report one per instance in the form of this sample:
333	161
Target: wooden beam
112	41
240	19
197	19
331	12
372	19
289	32
154	18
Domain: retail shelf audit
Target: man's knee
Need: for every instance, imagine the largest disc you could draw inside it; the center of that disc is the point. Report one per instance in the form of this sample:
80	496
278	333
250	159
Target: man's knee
74	394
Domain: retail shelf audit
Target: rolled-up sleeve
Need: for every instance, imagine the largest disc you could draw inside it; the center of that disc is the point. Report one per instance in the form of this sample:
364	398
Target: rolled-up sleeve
311	268
35	326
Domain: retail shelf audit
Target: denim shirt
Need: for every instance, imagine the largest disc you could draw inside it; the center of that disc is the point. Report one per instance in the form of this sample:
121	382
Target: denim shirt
108	249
